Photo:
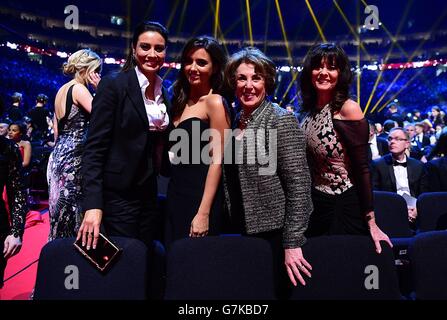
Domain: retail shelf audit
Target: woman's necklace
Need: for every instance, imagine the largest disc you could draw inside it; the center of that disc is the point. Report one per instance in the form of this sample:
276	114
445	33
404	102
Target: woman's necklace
244	119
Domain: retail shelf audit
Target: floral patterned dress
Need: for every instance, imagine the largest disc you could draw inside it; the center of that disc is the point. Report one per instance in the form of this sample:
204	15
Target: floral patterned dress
64	172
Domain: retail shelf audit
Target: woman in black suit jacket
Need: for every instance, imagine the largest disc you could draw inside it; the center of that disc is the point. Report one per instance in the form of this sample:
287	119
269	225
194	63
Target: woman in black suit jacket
125	141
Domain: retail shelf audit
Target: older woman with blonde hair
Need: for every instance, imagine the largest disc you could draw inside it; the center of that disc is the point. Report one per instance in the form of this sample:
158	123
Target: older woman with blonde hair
72	109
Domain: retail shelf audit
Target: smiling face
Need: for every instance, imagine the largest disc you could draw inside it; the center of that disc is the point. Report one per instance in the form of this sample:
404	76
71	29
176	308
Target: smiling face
325	76
198	67
14	132
150	52
250	86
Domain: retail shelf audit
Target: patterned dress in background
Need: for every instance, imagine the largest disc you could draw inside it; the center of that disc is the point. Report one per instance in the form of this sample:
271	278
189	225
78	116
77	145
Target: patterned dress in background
64	172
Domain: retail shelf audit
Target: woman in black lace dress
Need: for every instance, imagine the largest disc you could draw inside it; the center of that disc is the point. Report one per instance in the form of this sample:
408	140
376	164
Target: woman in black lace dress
337	140
72	106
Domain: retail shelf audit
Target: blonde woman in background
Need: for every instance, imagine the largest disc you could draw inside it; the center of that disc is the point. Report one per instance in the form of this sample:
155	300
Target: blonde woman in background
72	107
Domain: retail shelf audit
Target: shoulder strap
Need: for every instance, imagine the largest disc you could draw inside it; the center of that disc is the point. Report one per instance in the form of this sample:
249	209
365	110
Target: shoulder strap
68	104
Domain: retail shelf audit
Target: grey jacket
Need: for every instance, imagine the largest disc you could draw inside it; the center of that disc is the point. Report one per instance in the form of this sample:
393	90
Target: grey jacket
277	194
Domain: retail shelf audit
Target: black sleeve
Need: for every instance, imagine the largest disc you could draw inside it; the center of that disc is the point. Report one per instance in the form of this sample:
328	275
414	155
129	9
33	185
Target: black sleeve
16	192
375	175
100	133
432	178
354	136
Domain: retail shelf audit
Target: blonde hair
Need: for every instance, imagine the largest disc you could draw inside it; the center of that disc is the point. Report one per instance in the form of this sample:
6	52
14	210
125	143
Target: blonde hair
82	60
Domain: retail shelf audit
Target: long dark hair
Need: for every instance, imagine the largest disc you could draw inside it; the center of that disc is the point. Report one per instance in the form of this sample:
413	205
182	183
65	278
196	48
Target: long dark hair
142	28
181	85
336	56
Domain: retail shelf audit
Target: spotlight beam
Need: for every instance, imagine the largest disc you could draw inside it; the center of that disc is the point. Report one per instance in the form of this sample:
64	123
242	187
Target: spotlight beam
182	16
217	26
359	73
395	41
435	25
173	12
267	19
295	73
401	89
320	31
216	18
356	36
250	30
239	20
283	29
387	56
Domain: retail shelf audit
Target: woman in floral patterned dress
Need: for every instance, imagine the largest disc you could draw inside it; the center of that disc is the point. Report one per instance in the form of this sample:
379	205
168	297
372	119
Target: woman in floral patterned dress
72	108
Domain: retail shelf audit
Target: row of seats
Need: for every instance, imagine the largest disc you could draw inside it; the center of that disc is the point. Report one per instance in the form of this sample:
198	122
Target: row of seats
240	268
392	214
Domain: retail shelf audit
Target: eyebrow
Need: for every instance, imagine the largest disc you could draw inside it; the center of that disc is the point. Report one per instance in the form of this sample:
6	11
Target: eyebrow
156	44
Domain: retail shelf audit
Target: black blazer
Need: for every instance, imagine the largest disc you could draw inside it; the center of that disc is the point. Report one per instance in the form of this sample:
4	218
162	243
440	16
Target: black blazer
384	179
118	154
425	141
382	146
437	174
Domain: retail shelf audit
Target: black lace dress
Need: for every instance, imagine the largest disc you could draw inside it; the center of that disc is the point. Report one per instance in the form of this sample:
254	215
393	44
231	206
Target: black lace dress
341	181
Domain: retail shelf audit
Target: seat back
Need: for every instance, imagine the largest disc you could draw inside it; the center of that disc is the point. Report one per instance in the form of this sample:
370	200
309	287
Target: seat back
64	274
432	211
216	268
391	214
348	267
428	255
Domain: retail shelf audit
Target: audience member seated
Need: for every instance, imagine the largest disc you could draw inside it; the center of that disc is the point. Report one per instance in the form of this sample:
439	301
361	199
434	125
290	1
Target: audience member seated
393	114
437	168
14	113
40	117
398	173
387	126
377	146
420	141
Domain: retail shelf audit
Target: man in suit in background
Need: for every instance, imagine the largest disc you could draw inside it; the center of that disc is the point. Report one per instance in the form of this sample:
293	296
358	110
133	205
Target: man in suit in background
377	146
420	141
387	126
395	172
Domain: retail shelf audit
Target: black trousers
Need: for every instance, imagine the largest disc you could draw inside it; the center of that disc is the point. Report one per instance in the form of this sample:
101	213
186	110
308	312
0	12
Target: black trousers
136	214
336	214
133	213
